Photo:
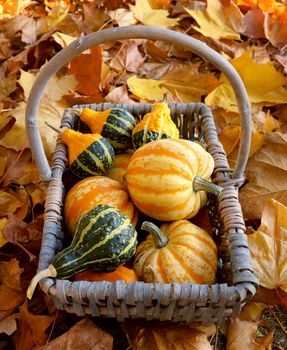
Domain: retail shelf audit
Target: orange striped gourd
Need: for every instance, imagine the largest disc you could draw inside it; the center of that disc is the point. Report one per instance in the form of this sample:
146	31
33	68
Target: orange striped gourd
92	191
167	178
119	168
177	252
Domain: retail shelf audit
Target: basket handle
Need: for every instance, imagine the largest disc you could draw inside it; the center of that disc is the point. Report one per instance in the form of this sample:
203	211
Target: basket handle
134	32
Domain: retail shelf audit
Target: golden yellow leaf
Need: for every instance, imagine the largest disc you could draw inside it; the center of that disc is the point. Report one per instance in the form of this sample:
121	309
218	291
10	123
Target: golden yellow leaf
147	89
229	137
3	241
268	246
145	14
263	84
51	110
218	21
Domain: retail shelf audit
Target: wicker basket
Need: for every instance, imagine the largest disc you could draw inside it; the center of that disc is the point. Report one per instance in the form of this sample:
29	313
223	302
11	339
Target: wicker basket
201	304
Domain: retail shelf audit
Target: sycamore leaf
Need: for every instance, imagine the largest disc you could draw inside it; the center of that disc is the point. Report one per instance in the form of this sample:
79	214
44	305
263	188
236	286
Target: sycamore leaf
218	21
147	89
84	335
266	172
145	14
268	246
31	329
263	84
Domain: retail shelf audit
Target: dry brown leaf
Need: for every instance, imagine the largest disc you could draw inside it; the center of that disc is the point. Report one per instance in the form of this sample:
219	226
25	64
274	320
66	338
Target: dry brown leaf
218	21
123	17
24	24
11	293
90	77
31	329
242	335
8	325
253	23
94	17
266	172
119	95
275	27
166	336
9	203
84	335
268	246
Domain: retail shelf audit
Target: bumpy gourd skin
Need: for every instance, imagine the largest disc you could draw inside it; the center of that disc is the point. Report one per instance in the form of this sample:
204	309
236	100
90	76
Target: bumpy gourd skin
190	255
160	178
155	125
89	154
115	124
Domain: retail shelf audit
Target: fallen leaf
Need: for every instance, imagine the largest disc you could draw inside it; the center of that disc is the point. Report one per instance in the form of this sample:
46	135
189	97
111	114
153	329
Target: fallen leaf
268	247
8	325
147	89
94	17
11	293
275	27
90	77
164	336
128	58
218	21
24	24
54	17
263	84
266	172
83	335
31	329
119	95
242	335
145	14
37	193
160	4
253	23
9	203
63	39
3	241
123	17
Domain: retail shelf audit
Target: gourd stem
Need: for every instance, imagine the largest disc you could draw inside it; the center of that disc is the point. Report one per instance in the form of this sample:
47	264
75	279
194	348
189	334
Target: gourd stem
160	239
49	272
200	184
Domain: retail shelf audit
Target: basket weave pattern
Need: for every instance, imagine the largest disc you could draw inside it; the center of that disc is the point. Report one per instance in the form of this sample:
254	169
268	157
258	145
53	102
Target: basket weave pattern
202	304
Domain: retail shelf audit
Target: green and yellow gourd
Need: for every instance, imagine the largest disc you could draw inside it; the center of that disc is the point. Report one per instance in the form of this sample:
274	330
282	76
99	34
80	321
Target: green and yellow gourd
89	154
115	124
155	125
104	239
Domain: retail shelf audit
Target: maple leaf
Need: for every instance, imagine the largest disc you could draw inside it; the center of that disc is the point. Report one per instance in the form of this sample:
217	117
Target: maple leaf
11	293
263	84
31	329
145	14
84	335
266	172
123	17
147	89
63	39
89	78
268	247
218	20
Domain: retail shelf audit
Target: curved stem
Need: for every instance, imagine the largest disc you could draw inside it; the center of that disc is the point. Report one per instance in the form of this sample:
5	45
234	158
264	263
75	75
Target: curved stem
160	239
49	272
201	184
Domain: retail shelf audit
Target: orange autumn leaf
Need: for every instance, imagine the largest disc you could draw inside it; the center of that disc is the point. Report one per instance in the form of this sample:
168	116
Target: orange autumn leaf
87	69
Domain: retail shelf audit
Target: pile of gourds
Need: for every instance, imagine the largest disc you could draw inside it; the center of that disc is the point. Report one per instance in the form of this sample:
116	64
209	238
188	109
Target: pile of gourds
128	169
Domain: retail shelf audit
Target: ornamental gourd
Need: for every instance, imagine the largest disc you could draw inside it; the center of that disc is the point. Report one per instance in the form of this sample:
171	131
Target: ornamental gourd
177	252
155	125
89	154
104	239
115	124
167	178
121	273
92	191
119	168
